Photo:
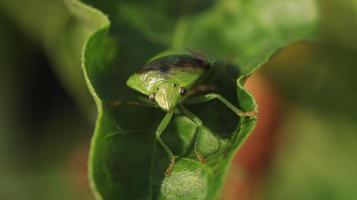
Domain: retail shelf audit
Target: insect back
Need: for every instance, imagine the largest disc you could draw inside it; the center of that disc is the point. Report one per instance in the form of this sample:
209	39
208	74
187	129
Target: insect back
166	79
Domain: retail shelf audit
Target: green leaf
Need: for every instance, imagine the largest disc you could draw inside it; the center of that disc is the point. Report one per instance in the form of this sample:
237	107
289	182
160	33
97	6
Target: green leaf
61	36
248	32
125	160
303	167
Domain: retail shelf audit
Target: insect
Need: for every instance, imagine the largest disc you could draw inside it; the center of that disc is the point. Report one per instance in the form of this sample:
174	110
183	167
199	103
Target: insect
169	82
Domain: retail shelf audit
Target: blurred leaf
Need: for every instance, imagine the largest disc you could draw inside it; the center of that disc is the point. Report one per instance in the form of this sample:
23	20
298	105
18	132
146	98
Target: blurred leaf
126	162
326	67
62	38
25	156
316	159
339	23
329	73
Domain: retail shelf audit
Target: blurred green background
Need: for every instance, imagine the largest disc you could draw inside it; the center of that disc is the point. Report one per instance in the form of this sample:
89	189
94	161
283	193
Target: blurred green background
306	93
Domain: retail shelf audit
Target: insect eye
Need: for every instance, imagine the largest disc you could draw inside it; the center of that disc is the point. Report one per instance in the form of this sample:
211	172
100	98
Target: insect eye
152	97
182	91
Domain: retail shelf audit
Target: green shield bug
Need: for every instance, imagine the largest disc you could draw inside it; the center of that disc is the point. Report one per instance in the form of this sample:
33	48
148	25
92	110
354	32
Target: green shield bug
169	81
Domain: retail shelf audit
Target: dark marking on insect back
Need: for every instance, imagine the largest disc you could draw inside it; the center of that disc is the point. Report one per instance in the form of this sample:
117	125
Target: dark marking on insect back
164	64
164	68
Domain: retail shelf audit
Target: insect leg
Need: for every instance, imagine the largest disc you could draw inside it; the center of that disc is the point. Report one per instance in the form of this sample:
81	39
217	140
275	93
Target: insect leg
160	129
198	122
212	96
139	103
142	101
